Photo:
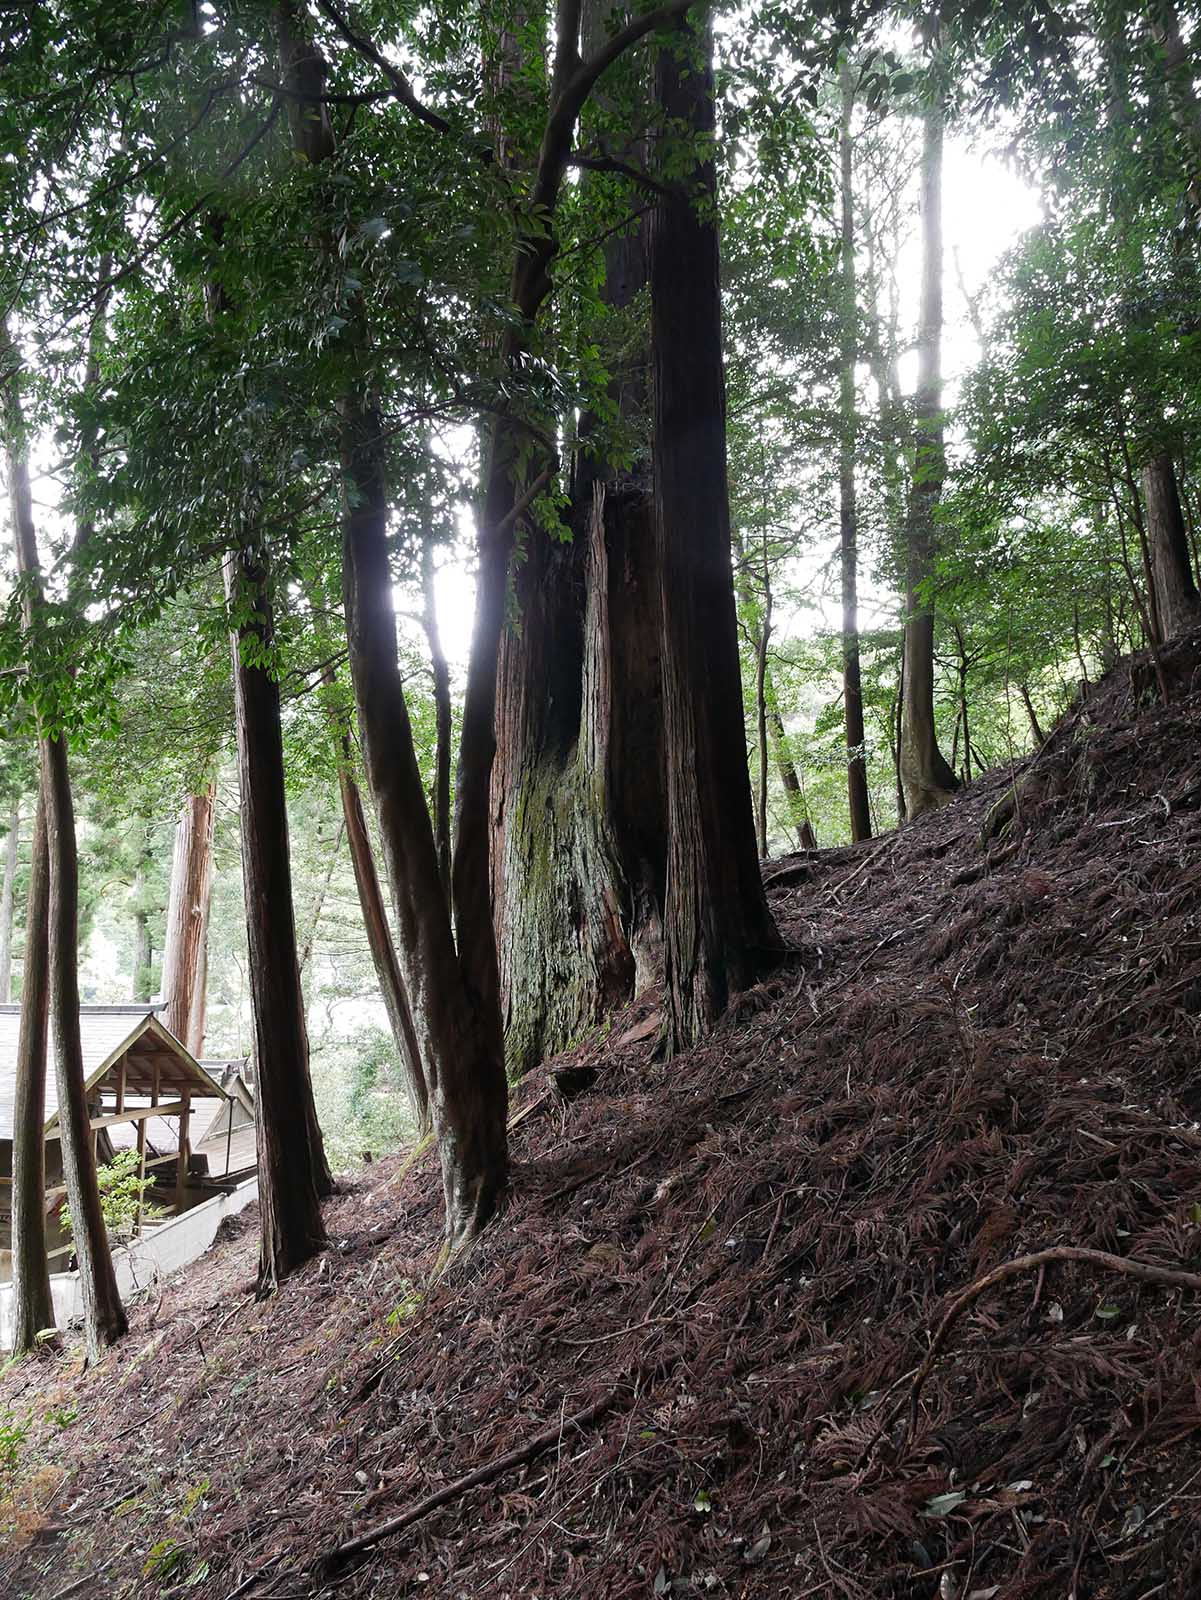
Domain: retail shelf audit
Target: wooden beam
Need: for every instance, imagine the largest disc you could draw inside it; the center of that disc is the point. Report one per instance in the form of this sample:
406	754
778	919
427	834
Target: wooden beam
181	1171
140	1113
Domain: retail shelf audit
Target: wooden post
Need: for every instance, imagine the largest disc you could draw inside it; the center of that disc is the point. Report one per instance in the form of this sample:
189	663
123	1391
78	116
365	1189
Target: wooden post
137	1224
120	1106
181	1165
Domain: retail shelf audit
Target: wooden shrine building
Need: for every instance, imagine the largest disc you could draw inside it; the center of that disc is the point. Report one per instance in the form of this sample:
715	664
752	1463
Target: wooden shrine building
143	1089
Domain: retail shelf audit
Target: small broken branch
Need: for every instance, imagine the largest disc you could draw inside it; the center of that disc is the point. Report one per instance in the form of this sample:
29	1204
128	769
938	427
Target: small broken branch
1147	1271
496	1468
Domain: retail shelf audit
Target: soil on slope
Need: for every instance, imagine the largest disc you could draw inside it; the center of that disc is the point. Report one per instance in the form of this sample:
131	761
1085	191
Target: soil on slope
743	1254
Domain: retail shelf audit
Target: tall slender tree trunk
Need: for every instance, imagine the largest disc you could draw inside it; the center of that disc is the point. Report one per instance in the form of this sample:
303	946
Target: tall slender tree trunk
1179	601
143	952
761	645
452	994
443	717
103	1315
718	932
185	945
12	845
293	1174
852	688
33	1305
926	778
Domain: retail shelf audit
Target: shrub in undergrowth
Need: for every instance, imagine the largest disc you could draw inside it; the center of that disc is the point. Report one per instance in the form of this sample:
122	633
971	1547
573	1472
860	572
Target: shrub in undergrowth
122	1194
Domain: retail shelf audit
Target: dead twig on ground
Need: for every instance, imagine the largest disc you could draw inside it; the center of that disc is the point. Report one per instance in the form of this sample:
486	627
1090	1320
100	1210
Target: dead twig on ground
1147	1271
495	1468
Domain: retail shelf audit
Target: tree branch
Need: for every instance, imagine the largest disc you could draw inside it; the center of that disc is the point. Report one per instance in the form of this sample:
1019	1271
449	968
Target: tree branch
401	86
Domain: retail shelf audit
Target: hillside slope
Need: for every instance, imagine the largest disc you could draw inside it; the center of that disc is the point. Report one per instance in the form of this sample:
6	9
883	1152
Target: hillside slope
736	1261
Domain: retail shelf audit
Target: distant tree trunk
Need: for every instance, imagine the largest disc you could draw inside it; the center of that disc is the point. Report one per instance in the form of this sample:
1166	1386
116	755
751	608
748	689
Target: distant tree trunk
379	941
442	713
762	643
143	952
719	934
103	1314
310	938
185	946
293	1174
452	994
860	805
962	668
1040	737
12	843
926	778
1179	601
33	1306
789	777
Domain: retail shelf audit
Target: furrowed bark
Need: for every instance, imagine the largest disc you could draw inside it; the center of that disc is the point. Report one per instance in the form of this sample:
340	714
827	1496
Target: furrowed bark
718	932
926	779
186	942
293	1174
33	1306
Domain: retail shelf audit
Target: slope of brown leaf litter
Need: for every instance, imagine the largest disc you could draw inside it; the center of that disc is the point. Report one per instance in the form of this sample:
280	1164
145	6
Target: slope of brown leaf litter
741	1256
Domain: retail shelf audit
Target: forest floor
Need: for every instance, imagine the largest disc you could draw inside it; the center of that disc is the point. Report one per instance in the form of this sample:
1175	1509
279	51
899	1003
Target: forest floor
736	1262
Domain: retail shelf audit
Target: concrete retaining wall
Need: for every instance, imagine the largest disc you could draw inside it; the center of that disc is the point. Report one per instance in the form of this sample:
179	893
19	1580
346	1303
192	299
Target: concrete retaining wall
143	1264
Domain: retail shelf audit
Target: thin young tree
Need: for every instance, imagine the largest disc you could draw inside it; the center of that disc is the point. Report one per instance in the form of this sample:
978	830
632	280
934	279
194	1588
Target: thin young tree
33	1305
104	1318
852	688
926	778
294	1176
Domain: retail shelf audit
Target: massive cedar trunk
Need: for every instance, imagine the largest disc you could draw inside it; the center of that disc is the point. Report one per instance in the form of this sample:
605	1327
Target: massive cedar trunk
578	848
103	1315
185	945
33	1306
1179	601
578	844
456	1021
12	845
926	778
293	1174
718	932
852	688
